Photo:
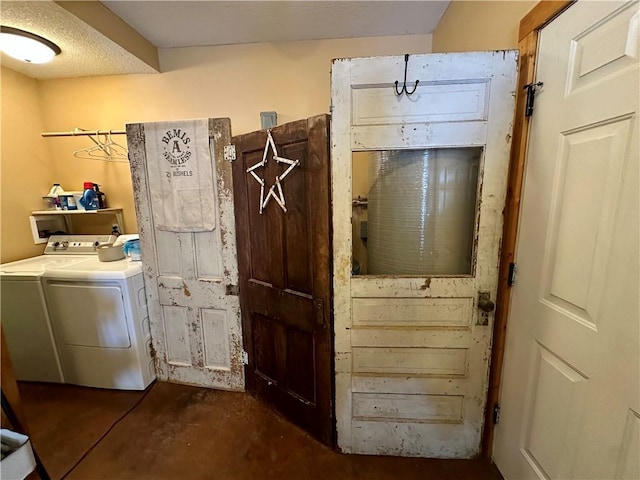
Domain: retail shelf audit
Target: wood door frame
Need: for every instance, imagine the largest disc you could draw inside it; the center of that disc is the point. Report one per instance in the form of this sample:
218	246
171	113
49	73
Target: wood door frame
530	26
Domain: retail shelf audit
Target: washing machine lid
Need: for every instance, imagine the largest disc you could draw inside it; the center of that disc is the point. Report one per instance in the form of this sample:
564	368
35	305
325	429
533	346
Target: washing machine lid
94	269
36	266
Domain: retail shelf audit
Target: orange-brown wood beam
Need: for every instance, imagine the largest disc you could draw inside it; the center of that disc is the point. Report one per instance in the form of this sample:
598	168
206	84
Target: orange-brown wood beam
10	389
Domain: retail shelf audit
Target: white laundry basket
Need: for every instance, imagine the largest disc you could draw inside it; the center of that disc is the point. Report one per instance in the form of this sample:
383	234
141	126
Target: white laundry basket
18	460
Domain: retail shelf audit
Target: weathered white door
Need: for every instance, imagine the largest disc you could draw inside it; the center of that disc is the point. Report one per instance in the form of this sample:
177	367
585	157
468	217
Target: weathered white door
191	277
412	348
570	402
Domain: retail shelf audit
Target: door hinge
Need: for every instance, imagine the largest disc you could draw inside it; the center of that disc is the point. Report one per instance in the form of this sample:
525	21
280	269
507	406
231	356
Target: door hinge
511	278
496	414
230	152
245	357
531	95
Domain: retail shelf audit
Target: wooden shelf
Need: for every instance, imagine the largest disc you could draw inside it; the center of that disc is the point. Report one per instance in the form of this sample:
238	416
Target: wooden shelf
113	211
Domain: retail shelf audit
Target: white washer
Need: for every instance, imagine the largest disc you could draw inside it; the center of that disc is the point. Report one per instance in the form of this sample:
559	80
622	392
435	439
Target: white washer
25	319
98	316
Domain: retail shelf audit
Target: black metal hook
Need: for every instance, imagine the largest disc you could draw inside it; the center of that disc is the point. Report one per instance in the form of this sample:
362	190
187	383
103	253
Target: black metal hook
404	84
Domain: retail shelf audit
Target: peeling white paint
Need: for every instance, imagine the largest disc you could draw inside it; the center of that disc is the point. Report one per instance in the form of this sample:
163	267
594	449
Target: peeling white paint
195	326
411	373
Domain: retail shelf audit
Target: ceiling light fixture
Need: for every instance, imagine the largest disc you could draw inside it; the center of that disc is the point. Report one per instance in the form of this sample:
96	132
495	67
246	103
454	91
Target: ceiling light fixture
27	46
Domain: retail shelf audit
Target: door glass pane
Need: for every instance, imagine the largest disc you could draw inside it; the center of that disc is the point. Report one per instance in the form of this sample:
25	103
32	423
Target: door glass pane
414	211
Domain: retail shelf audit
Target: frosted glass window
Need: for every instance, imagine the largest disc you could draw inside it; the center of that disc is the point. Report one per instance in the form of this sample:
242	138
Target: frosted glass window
414	211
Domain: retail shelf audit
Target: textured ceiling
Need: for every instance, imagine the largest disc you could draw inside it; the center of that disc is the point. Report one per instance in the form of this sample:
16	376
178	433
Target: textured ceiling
177	23
85	51
169	24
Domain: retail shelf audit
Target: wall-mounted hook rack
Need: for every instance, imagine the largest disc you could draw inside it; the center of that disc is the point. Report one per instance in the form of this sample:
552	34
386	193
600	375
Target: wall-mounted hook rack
404	83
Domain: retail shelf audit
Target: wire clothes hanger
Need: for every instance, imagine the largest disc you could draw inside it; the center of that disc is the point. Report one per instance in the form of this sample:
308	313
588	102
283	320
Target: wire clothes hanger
104	148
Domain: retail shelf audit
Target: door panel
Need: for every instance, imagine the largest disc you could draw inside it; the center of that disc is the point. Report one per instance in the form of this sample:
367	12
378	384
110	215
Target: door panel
379	106
555	399
285	270
571	378
588	174
190	276
412	349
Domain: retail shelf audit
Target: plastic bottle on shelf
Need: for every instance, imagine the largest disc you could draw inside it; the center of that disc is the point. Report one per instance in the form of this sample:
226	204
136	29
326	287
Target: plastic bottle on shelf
89	199
56	190
54	193
102	198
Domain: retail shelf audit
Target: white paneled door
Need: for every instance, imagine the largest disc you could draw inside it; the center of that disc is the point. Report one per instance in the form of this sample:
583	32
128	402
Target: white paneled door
571	379
191	277
412	344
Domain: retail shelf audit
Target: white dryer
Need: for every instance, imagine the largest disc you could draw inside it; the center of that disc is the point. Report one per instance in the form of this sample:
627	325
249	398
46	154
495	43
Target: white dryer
98	317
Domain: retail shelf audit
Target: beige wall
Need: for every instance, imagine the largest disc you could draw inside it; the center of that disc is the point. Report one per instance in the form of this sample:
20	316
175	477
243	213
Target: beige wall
26	166
236	81
480	25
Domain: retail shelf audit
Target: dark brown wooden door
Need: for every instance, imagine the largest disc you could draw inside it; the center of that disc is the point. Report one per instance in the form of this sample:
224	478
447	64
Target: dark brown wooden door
285	273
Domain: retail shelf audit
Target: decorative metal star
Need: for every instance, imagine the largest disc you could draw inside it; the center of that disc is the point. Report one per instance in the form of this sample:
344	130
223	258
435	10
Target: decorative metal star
275	191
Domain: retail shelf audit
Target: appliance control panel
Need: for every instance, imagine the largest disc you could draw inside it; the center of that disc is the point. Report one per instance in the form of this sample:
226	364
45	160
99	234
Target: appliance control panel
74	244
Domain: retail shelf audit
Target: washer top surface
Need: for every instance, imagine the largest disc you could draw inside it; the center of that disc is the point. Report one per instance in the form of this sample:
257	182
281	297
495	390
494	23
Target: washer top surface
64	251
93	269
36	266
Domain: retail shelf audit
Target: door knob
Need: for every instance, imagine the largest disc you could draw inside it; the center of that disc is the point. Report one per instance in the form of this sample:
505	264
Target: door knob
484	302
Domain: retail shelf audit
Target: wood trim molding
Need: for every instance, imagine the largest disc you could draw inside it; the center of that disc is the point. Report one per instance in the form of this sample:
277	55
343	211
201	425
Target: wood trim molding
540	15
10	389
543	13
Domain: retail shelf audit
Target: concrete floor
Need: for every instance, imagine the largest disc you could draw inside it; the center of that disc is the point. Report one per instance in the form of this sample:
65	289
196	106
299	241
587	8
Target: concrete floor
182	432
